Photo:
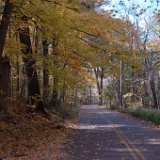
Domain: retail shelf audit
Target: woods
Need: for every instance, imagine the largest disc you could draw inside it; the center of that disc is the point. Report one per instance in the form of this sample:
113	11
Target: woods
55	43
58	54
138	83
48	46
61	49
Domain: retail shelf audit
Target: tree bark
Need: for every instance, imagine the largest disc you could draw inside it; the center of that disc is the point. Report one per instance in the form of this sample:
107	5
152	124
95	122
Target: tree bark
154	94
17	80
90	94
34	96
5	24
45	73
101	85
99	74
4	83
121	85
4	62
55	99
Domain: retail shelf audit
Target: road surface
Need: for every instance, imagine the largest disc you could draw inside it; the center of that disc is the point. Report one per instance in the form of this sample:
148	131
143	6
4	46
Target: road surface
107	135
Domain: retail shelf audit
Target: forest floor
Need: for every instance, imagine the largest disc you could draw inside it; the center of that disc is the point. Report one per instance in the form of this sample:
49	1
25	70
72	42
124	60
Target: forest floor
31	136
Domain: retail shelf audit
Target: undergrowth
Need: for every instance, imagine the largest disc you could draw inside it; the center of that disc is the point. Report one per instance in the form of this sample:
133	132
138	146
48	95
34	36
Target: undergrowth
145	114
70	112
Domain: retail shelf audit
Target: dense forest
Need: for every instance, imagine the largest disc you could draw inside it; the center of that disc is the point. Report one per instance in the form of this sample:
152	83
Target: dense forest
55	54
52	50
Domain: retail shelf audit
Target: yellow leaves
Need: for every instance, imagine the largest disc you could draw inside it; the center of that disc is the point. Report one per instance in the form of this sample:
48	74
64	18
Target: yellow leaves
127	95
71	28
13	47
154	44
81	34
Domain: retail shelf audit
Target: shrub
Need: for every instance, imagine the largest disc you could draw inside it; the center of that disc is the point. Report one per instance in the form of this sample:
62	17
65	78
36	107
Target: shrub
145	114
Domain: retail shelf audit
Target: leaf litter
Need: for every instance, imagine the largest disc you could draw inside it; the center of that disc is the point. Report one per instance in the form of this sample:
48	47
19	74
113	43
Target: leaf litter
25	136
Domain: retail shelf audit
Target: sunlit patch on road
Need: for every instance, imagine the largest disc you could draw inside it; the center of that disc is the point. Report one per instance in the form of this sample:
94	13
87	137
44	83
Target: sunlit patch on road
153	141
95	126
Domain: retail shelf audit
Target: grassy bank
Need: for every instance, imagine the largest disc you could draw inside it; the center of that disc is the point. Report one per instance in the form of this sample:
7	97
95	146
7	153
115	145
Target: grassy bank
145	114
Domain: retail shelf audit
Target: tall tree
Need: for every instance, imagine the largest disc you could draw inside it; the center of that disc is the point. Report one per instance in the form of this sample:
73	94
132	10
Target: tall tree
4	62
99	74
34	96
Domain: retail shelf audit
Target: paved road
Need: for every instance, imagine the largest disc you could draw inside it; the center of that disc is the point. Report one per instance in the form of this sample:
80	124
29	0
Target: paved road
105	135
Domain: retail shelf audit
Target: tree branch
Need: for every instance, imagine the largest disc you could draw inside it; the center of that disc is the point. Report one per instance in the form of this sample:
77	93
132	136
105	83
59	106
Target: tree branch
93	46
66	6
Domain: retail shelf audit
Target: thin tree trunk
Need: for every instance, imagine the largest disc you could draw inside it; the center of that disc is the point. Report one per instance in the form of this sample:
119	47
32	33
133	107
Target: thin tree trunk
121	84
45	74
154	94
145	96
101	85
90	94
17	80
55	99
63	94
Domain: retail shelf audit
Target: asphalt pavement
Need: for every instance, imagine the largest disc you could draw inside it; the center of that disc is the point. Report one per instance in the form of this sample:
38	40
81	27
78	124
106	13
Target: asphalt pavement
102	134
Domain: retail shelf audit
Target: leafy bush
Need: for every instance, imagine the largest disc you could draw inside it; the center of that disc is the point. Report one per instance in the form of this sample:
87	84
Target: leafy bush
145	114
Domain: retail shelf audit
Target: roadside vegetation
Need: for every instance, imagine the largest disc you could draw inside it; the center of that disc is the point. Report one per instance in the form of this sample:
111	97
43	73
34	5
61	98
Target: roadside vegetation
152	115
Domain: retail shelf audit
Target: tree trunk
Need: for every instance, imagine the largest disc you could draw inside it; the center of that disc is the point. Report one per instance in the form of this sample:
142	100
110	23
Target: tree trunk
121	85
55	99
99	74
55	96
5	24
154	94
90	94
45	74
101	86
4	62
17	80
145	96
4	83
63	94
158	94
34	96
